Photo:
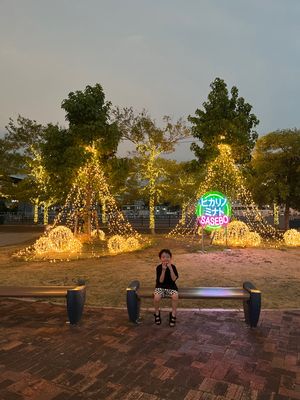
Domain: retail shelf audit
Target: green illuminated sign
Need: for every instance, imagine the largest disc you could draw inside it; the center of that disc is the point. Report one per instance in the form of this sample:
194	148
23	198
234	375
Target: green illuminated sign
213	211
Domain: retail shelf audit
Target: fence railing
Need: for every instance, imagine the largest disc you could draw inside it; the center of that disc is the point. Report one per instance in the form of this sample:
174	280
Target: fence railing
161	221
168	221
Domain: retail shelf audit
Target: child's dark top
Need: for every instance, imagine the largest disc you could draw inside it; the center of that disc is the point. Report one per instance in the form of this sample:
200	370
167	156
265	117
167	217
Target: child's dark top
168	283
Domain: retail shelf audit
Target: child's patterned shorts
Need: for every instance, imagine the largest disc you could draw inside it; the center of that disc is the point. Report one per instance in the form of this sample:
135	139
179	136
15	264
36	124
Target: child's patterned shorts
165	292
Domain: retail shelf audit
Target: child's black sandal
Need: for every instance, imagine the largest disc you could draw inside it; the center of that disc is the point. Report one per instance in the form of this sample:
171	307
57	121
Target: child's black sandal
172	320
157	319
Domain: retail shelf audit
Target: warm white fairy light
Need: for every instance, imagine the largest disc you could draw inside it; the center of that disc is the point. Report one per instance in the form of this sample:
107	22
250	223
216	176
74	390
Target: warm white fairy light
237	233
57	240
223	175
41	179
151	172
276	214
36	211
98	234
118	244
132	243
89	189
80	212
292	237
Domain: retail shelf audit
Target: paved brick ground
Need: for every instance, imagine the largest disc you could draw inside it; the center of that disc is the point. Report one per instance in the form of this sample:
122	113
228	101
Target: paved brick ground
209	355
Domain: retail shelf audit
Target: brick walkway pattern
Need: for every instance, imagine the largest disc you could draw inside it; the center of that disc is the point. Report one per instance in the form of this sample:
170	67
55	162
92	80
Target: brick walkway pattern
209	355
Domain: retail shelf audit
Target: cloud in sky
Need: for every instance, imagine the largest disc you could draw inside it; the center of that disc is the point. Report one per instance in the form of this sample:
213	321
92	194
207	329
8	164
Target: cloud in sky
159	55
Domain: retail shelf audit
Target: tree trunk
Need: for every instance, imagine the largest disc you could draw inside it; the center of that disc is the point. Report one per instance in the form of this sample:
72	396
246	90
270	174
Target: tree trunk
76	223
95	216
103	214
287	214
87	212
151	214
46	215
276	215
36	212
183	216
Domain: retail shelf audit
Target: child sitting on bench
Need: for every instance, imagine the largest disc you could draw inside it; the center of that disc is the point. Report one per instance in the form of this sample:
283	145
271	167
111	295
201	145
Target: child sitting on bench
166	275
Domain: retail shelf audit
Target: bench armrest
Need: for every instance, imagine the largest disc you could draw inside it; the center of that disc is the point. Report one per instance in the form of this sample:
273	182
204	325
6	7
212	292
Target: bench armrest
250	287
134	285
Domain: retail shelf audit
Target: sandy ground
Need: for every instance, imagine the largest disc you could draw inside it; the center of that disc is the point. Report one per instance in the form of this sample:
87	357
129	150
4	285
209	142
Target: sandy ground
11	238
275	272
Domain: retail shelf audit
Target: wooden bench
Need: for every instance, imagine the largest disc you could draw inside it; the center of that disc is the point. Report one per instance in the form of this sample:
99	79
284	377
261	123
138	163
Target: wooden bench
75	296
248	294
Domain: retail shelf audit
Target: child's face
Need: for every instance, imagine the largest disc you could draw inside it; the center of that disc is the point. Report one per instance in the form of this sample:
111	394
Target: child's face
165	258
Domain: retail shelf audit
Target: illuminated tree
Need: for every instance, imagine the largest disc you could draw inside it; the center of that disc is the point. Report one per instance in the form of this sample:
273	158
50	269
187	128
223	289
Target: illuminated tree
150	143
226	117
22	144
132	188
65	151
276	165
90	179
117	172
61	158
40	177
223	175
180	184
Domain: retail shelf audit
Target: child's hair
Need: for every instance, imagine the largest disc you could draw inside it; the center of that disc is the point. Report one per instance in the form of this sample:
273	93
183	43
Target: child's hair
165	251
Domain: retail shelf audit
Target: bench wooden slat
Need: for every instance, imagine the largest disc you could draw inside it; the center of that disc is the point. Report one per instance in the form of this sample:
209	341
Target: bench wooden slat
75	296
202	293
35	291
250	296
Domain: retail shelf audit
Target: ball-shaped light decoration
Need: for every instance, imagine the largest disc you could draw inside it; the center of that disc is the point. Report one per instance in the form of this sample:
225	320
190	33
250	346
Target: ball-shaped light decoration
132	243
42	245
58	240
116	244
253	239
292	237
238	234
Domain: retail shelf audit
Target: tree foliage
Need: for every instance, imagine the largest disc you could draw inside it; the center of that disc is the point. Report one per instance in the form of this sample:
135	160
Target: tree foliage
49	156
22	154
181	181
89	119
224	118
276	166
65	149
150	142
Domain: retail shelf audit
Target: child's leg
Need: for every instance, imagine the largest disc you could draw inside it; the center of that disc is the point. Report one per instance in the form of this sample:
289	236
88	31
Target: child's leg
174	303
157	298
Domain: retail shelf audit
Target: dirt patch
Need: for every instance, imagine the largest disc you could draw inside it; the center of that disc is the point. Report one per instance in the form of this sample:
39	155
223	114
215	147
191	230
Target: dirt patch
275	272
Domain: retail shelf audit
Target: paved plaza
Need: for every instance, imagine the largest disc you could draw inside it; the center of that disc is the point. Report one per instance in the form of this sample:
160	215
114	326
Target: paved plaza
209	355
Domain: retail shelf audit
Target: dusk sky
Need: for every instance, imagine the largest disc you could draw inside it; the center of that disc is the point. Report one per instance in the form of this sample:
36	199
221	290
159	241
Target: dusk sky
159	55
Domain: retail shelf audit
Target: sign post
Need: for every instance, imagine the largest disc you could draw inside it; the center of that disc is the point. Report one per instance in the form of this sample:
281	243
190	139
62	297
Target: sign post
213	212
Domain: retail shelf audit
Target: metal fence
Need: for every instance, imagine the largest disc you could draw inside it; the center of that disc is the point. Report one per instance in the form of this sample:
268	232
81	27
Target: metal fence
10	218
165	221
162	222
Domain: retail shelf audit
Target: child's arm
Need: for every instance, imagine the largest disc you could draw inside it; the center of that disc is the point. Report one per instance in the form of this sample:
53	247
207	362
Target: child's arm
163	272
174	273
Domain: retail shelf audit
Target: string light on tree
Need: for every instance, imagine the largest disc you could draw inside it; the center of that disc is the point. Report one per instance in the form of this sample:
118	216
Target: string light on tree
80	211
224	176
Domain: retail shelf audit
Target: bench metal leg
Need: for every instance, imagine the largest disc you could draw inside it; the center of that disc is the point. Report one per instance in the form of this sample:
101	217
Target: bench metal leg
133	306
252	308
75	304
